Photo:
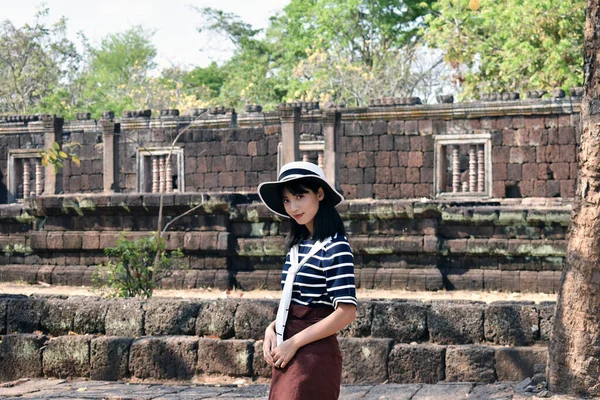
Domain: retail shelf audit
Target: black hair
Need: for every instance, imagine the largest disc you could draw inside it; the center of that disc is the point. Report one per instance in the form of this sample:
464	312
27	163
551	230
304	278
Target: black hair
327	221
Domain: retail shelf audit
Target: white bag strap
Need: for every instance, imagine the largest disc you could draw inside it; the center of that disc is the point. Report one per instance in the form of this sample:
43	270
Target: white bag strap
286	297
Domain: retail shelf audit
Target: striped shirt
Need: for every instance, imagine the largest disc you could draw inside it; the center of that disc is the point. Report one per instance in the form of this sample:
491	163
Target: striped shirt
327	278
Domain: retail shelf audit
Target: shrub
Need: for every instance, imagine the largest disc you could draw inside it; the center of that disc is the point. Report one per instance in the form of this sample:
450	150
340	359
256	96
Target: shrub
131	271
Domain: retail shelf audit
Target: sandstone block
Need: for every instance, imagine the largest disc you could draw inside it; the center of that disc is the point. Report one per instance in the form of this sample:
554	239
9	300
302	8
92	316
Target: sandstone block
109	358
3	308
229	357
125	317
361	326
546	310
253	317
514	324
169	357
416	363
216	318
170	317
58	316
518	363
365	361
470	364
259	365
402	321
21	356
455	323
24	314
89	315
67	357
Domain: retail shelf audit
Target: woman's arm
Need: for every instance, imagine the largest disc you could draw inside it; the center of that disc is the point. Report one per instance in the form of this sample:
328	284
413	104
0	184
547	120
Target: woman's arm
343	315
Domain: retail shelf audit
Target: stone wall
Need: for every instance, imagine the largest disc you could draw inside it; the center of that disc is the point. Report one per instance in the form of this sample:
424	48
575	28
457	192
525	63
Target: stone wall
396	341
234	241
375	152
532	156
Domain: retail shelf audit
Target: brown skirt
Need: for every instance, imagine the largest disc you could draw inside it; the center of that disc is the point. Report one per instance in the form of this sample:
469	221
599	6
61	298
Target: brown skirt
315	372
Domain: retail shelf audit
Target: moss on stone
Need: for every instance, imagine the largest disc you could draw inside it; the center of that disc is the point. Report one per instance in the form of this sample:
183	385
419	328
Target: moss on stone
257	229
377	250
512	218
562	218
25	218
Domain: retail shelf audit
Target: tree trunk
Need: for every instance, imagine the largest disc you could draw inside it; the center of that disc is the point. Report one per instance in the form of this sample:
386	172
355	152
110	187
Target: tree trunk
574	349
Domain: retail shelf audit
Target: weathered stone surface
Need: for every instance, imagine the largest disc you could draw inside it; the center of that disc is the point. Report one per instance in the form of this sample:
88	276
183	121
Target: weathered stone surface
444	391
216	318
416	363
470	364
21	356
391	392
364	360
3	311
24	314
58	316
252	318
514	324
402	321
518	363
67	357
170	317
125	317
259	365
455	322
361	326
230	357
109	358
90	315
546	310
171	357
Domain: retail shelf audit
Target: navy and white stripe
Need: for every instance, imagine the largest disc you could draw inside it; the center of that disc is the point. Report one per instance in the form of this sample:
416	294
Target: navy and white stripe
327	278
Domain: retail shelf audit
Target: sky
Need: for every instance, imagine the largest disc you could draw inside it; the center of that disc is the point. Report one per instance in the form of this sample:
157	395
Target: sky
174	21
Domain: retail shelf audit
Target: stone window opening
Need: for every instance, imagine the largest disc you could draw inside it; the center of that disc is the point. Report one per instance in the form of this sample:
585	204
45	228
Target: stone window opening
463	166
155	175
311	151
26	175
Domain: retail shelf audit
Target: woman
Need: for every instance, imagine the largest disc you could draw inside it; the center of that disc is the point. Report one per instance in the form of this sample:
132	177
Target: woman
319	294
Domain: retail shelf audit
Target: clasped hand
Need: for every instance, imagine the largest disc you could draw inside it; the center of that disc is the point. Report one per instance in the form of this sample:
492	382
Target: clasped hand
277	356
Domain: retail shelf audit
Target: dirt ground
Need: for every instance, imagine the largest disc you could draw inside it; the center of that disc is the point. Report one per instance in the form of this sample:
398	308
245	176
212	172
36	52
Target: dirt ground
488	297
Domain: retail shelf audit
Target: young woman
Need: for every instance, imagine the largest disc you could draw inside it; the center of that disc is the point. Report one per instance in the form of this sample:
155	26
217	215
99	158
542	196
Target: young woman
319	294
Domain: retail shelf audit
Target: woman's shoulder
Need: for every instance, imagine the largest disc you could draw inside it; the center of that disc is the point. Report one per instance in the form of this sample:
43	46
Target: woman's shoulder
338	244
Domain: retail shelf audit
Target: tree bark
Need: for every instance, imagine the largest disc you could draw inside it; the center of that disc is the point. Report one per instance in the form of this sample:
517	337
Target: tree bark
574	349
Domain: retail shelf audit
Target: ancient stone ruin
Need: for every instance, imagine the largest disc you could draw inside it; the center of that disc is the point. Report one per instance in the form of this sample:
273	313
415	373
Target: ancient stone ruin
472	196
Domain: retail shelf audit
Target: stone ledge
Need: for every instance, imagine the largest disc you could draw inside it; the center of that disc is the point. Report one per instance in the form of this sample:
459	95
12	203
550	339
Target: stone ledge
436	322
366	360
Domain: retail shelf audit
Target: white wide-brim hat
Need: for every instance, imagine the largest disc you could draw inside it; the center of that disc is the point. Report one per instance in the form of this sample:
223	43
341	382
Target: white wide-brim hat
269	191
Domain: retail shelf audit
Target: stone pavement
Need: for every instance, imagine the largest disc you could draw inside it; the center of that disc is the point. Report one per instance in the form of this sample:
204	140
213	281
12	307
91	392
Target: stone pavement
63	389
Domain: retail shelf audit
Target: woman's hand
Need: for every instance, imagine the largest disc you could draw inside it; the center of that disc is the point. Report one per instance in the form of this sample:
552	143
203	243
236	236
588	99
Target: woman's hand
269	343
284	353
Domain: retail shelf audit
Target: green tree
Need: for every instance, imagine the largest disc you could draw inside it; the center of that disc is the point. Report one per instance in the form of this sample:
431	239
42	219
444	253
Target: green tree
509	45
357	35
35	62
121	63
213	77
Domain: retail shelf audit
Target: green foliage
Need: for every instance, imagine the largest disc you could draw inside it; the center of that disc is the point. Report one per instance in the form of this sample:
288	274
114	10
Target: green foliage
56	155
131	272
17	248
119	64
357	37
510	45
34	60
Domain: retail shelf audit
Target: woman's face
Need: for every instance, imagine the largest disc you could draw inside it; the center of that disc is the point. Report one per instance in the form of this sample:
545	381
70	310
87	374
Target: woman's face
303	207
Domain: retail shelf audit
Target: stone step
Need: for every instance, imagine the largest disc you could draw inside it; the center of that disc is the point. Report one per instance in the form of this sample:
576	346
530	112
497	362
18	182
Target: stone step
443	322
413	279
366	360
